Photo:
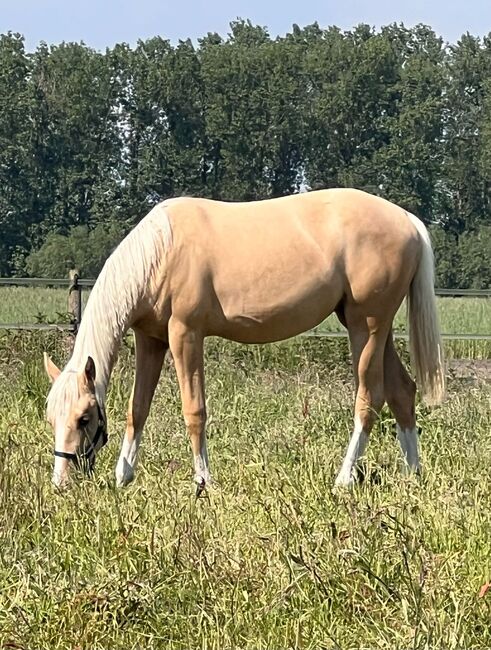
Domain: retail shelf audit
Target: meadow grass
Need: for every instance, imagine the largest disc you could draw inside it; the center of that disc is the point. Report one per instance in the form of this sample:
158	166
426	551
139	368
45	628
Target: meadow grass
457	316
35	305
271	558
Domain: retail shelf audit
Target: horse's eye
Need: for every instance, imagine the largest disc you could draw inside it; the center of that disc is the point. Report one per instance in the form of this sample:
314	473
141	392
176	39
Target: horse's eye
83	421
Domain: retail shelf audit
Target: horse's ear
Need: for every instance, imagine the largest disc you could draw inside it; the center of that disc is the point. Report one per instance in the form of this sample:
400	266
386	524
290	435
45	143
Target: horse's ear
52	370
90	370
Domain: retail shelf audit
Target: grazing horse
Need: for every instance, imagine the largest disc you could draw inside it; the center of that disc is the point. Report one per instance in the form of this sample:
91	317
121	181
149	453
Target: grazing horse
254	273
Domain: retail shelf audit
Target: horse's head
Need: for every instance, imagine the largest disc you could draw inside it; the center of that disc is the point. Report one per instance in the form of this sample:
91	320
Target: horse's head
77	418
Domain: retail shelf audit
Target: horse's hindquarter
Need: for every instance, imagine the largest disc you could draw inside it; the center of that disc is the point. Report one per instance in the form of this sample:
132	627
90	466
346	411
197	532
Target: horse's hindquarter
256	272
381	250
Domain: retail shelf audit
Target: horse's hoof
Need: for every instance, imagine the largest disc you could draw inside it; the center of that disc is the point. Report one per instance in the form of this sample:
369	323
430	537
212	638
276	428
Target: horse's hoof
200	485
125	474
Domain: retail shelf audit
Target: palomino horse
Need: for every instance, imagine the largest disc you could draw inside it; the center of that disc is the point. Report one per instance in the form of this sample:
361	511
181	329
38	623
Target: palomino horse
254	273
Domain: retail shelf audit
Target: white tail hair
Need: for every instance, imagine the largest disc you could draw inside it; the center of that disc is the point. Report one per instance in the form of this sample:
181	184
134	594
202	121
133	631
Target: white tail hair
425	343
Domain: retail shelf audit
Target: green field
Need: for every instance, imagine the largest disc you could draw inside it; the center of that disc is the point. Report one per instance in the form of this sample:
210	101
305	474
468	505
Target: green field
34	305
270	559
31	305
457	316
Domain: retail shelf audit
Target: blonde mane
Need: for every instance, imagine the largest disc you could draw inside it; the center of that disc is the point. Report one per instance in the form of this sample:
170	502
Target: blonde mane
120	287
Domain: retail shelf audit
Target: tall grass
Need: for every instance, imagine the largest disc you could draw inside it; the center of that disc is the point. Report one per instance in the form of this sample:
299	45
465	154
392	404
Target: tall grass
271	558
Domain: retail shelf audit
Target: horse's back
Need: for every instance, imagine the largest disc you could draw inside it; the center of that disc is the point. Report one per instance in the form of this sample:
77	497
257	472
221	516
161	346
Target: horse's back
289	216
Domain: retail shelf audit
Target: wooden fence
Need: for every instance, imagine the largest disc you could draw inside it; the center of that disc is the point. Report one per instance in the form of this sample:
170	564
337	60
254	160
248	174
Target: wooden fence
75	285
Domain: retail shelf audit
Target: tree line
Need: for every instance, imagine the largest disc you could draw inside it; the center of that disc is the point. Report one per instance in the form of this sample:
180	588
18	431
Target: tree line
89	141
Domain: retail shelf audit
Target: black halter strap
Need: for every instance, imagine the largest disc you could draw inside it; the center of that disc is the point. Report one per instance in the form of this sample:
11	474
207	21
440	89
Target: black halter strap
101	432
65	454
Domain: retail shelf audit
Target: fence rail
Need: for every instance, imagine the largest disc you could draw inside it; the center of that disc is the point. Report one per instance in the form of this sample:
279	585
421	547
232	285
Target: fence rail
461	293
38	327
76	285
68	327
44	282
87	283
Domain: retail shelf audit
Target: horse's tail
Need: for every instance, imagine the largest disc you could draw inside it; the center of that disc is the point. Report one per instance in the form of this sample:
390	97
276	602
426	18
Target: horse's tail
425	341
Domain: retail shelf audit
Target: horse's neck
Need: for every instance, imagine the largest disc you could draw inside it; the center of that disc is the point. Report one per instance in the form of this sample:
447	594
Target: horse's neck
103	326
117	294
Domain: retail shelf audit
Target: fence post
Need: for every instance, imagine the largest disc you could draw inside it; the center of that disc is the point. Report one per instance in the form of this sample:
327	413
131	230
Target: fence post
75	300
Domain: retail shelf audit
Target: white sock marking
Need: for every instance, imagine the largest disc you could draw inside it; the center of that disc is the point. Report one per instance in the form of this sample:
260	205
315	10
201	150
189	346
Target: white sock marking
408	439
355	451
201	468
125	469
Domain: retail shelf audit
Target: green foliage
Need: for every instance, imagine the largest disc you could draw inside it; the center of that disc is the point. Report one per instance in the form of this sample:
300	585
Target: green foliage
75	120
463	261
466	168
84	249
475	247
16	200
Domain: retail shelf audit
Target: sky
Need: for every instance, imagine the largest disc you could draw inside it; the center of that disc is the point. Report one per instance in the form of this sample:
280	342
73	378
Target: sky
102	23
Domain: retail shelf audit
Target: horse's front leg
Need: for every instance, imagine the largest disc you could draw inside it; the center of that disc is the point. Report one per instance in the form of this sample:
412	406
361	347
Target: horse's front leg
150	354
186	346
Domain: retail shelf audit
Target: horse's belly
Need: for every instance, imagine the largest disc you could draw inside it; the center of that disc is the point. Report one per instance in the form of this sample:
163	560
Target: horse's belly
252	321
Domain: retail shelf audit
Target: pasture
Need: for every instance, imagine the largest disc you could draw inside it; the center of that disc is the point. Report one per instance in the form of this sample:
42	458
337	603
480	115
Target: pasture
35	304
457	316
271	558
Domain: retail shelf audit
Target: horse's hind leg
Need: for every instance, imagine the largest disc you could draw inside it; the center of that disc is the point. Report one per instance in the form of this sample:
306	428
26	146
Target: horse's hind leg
400	391
367	338
150	354
186	346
